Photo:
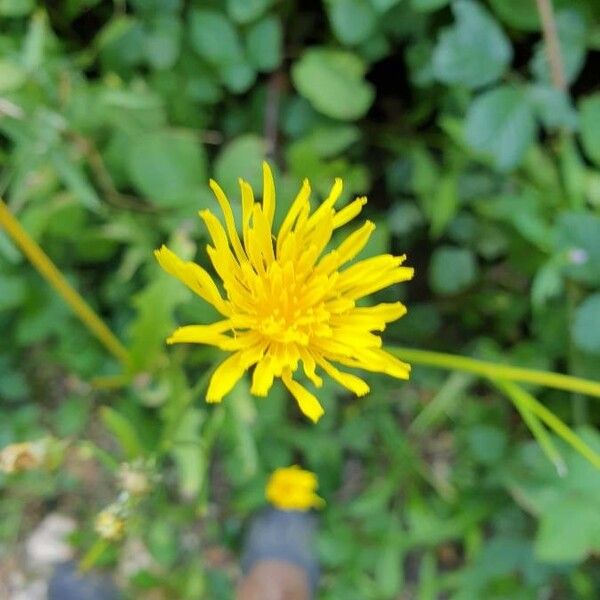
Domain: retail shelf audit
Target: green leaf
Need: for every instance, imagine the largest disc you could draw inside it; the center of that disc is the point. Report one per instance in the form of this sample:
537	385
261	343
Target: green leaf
241	158
473	52
333	82
428	5
163	543
487	443
16	8
586	326
444	204
568	508
589	109
501	125
327	141
382	6
214	38
553	107
264	44
352	21
577	236
124	432
189	453
12	76
75	179
517	14
452	270
167	167
244	11
571	29
237	77
13	291
162	42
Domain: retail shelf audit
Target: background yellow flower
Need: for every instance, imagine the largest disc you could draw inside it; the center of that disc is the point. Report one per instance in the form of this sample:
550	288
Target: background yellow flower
293	488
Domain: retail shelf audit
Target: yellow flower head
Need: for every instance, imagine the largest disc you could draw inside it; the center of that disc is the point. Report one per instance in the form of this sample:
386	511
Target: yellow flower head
109	524
286	301
293	488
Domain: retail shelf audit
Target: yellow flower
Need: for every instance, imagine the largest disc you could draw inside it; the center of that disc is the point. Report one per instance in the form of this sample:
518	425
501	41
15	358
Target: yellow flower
293	488
286	300
109	525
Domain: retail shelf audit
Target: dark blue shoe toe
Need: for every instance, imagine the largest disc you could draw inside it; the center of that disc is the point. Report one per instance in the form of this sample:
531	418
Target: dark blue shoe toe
68	583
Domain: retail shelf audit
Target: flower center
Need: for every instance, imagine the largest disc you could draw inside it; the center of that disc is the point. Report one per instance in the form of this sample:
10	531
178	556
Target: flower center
289	305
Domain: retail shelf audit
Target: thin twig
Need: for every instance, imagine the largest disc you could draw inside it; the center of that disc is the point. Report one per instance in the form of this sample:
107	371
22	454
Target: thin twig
546	12
274	87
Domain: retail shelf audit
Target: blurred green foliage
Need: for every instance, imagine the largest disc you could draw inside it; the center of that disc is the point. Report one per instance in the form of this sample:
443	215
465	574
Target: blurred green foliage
112	117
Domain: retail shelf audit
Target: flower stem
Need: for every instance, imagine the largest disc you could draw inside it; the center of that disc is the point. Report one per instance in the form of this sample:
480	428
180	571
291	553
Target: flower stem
40	260
497	371
92	556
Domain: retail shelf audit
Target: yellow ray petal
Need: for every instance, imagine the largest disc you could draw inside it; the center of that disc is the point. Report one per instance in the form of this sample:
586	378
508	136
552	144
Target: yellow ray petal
297	205
349	212
226	375
327	204
309	364
352	382
211	335
354	243
307	403
247	204
262	378
231	370
229	220
268	200
194	276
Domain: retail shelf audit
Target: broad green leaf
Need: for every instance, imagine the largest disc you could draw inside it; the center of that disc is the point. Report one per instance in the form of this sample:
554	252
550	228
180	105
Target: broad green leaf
12	76
264	44
244	11
589	110
382	6
153	322
13	291
428	5
452	270
162	42
571	28
124	432
75	179
241	158
188	452
517	14
577	236
473	52
333	82
553	107
163	542
586	326
213	37
16	8
487	443
237	77
352	21
568	508
327	141
444	204
500	124
167	167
